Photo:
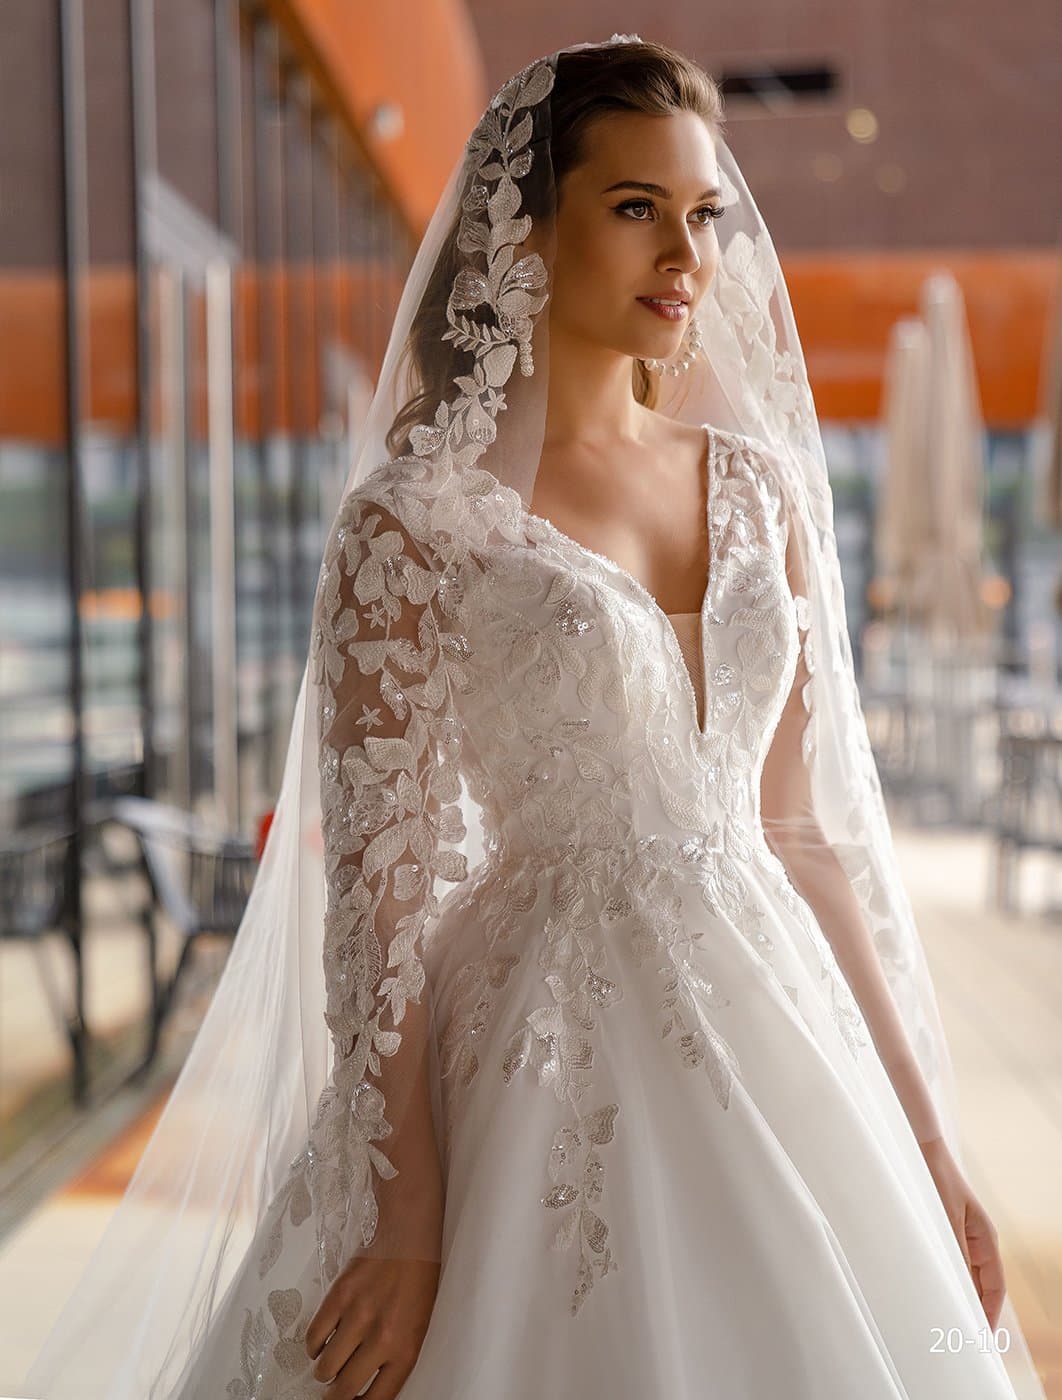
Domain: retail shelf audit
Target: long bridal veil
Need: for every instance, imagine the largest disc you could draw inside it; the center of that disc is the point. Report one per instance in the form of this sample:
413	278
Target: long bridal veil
308	1058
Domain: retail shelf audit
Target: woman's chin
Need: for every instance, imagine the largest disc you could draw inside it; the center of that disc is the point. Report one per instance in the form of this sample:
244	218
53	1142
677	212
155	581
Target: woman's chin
661	352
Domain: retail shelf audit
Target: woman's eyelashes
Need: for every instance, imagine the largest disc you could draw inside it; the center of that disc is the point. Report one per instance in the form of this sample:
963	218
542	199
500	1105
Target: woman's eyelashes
714	211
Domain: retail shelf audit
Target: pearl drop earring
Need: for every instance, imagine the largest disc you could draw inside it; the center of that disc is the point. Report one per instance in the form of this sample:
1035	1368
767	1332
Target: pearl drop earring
695	346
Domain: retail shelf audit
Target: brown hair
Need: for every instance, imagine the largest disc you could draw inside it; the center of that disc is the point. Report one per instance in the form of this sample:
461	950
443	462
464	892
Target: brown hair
589	83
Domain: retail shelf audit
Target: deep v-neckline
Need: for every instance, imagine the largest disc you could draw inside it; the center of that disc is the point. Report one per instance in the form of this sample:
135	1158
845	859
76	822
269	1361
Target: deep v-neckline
699	729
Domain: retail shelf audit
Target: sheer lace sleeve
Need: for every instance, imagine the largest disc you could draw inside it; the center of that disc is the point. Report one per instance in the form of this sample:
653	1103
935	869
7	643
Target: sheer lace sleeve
795	835
388	778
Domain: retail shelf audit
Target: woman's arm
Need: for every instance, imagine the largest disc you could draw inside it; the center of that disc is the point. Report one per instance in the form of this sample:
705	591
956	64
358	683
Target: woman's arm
387	785
789	822
788	812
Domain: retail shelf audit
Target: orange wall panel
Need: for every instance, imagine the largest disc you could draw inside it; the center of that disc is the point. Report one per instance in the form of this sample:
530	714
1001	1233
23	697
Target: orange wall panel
422	55
845	307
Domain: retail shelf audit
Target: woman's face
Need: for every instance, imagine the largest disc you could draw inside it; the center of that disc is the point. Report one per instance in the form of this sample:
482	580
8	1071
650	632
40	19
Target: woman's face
634	221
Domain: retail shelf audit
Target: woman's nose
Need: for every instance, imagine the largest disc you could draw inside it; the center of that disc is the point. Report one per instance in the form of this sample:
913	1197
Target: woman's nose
681	253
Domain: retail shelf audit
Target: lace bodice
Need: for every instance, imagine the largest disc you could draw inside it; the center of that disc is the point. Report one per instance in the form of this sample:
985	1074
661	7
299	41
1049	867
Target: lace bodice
572	687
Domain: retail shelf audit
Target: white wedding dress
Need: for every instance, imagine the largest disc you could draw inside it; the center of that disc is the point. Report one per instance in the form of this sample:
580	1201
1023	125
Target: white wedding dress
674	1163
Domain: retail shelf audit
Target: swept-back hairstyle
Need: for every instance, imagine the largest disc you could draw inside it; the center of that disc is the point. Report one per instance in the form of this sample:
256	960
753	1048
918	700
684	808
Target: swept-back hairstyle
590	83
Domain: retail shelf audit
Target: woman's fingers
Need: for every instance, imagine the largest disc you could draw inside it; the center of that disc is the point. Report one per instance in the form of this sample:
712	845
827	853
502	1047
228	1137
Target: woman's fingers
355	1375
993	1290
325	1318
389	1382
335	1307
367	1333
374	1360
345	1343
986	1259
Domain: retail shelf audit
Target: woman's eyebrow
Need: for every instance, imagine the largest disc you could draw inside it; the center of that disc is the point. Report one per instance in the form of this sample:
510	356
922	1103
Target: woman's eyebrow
661	190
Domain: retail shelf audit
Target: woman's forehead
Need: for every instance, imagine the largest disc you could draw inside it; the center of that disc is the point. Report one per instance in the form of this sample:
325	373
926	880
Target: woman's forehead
675	152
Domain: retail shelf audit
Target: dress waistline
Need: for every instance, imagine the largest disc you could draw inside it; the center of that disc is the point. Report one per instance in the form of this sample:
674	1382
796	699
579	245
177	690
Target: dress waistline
694	848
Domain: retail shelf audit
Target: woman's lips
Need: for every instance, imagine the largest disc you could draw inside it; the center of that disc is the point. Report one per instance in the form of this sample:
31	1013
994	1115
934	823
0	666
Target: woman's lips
669	313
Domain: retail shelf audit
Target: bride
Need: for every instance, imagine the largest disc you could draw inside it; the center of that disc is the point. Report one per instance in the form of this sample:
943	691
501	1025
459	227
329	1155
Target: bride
656	1099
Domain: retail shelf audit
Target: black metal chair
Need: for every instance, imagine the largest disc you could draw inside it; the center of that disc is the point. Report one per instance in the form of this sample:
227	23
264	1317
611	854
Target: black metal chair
36	882
200	878
1028	807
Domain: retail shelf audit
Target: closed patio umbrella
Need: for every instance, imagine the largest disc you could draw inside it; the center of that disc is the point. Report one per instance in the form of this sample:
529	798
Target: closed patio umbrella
928	530
900	532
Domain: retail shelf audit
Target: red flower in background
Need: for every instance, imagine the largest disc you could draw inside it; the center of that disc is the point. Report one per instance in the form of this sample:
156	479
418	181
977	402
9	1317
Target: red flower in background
263	831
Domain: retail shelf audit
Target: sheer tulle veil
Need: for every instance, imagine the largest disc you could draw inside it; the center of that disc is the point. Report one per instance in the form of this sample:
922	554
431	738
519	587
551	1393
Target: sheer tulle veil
283	1096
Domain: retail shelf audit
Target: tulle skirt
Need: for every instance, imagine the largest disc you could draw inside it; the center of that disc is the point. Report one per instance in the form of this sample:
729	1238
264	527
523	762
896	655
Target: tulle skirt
791	1242
732	1204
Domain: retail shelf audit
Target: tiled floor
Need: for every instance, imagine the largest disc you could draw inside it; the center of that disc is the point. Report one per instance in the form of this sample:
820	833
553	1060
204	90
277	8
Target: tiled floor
998	981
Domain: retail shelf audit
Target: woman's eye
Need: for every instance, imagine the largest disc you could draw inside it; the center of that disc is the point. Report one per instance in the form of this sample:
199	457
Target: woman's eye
713	211
635	204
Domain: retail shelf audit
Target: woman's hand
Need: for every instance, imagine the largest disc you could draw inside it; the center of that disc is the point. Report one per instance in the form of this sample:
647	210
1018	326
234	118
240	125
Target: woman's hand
377	1312
975	1232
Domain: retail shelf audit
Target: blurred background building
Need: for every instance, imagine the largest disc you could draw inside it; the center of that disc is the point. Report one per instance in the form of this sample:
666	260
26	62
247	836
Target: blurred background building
206	217
207	212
